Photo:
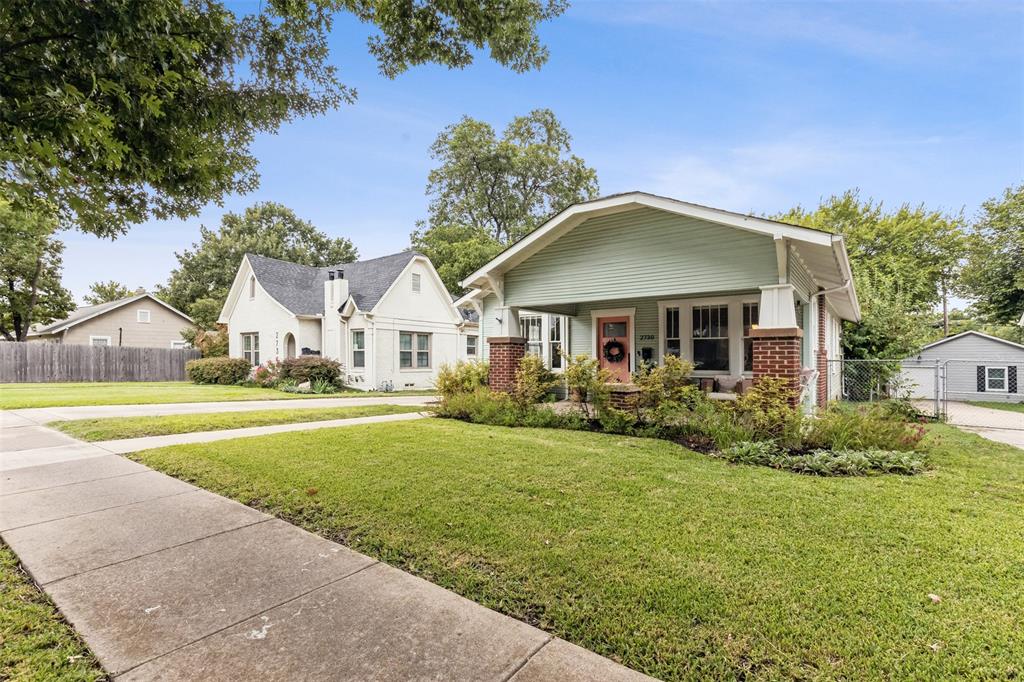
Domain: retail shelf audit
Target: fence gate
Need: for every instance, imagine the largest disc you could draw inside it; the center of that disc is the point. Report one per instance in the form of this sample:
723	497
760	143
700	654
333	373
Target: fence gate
980	393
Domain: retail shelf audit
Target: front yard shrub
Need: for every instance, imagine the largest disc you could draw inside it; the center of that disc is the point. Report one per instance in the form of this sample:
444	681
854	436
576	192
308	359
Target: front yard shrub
861	428
668	382
533	380
268	374
462	377
310	368
587	384
218	370
322	386
766	408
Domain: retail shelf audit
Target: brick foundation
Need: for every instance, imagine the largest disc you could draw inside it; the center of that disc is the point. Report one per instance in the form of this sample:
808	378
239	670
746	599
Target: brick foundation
777	354
504	355
821	356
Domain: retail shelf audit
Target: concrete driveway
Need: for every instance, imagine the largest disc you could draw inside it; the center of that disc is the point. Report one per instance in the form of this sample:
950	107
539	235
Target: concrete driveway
1003	426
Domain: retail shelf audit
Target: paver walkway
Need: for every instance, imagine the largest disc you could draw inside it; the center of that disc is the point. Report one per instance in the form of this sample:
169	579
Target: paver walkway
167	581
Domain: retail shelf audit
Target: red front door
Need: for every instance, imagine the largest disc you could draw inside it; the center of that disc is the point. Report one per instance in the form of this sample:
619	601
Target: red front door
613	346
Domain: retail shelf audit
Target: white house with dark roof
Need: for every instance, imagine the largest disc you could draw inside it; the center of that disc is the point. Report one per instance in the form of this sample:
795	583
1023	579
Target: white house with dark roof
389	321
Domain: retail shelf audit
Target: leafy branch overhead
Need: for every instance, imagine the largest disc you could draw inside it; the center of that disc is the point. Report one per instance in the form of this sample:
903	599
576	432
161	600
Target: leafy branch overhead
116	111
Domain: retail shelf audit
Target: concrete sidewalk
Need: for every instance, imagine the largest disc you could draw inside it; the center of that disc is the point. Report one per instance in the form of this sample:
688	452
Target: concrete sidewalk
167	581
44	415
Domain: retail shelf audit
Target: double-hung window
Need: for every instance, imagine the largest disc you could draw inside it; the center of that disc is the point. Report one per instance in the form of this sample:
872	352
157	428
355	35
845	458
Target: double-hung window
711	337
413	350
995	379
471	346
751	313
672	341
533	331
358	348
251	348
555	347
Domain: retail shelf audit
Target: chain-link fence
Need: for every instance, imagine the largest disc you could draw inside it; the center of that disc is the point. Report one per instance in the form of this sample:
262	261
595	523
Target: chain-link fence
982	393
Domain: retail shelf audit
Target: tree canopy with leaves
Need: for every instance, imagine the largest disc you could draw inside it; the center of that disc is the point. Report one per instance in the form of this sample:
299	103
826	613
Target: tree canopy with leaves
30	272
490	192
994	276
114	111
104	292
904	261
200	283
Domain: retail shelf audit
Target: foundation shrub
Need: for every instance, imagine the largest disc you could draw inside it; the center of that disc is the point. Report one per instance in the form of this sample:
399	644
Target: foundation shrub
218	370
765	409
533	381
587	384
462	377
267	375
668	382
311	368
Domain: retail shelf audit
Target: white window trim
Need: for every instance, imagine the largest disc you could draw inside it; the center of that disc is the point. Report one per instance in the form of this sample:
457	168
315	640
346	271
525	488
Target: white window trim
138	316
254	352
417	283
93	338
1006	379
685	305
630	331
352	351
476	346
430	351
545	335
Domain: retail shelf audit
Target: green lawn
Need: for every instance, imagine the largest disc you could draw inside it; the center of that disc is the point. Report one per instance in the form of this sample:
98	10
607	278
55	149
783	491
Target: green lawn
1011	407
674	563
138	427
14	396
35	642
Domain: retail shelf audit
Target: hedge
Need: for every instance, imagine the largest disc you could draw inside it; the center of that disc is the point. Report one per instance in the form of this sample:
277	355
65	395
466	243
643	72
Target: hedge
219	370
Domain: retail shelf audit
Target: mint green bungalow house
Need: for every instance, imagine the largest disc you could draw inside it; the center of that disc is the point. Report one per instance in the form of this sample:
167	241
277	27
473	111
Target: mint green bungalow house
634	277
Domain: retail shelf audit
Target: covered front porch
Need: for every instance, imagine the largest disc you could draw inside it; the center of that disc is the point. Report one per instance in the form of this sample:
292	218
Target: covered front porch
635	278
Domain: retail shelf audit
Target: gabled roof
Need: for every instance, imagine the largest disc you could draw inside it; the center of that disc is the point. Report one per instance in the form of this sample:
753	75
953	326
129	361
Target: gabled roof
822	252
88	312
971	332
299	288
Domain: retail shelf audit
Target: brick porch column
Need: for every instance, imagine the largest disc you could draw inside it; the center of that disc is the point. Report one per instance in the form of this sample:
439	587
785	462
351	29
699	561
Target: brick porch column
504	356
777	354
821	355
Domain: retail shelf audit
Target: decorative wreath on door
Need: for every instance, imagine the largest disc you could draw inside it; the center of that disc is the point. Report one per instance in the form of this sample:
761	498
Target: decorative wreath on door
614	351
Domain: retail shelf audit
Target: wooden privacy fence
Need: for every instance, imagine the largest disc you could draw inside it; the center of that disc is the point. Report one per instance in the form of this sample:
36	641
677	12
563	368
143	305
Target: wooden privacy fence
44	362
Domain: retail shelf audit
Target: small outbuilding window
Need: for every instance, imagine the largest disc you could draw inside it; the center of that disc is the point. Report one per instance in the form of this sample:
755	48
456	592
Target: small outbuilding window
995	379
142	316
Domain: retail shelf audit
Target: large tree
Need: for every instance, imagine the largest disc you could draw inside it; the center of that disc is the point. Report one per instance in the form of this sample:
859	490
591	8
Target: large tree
200	283
994	276
30	272
489	192
104	292
117	110
905	262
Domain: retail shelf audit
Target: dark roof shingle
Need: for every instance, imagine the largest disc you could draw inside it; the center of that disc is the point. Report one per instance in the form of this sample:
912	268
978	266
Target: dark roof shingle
299	288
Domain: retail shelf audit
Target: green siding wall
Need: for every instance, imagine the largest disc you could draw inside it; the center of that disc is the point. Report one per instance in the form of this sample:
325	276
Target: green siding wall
801	278
642	253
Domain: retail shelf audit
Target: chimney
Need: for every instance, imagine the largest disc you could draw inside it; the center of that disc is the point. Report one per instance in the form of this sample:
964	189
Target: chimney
330	275
341	274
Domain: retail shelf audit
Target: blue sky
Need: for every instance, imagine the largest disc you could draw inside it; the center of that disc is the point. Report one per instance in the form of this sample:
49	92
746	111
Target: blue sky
744	106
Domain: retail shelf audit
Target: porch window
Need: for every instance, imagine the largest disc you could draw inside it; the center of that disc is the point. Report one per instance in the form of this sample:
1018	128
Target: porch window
251	348
555	347
751	313
413	348
672	342
711	337
471	346
358	348
533	331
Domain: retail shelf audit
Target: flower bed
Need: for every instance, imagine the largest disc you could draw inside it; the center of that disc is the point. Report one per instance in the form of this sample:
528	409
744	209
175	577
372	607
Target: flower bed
760	428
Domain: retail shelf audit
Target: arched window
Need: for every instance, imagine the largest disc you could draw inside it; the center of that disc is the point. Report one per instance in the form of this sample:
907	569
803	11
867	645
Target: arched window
252	287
